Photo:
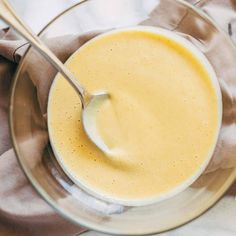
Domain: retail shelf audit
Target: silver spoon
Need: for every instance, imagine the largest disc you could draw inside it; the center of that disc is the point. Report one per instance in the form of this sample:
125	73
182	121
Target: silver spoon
90	102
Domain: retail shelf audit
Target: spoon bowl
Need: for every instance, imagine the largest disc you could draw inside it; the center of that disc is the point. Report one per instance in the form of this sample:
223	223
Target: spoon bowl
89	120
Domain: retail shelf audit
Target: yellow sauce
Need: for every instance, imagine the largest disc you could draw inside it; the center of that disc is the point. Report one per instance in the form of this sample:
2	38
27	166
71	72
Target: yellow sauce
162	119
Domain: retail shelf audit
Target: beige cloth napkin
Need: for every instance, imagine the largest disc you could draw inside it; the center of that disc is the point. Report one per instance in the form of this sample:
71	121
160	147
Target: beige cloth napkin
22	211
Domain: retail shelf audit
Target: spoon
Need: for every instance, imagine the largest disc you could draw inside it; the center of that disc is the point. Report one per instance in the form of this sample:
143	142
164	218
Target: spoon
90	102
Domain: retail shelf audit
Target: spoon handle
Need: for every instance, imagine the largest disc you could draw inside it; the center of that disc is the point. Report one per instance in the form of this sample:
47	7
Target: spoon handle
10	17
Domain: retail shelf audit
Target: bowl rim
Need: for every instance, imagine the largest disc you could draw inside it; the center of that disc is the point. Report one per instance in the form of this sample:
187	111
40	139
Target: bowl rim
85	223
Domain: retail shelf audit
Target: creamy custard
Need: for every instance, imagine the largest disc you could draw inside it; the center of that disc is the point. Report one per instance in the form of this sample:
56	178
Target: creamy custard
161	122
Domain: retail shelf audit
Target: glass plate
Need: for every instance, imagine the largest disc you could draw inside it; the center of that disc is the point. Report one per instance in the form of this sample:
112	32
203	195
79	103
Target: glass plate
28	115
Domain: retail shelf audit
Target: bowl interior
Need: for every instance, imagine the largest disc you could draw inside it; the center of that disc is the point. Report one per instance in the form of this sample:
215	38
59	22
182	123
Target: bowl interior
29	102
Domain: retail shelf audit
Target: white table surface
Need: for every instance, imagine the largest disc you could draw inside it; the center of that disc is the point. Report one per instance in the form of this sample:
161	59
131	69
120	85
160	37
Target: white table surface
221	219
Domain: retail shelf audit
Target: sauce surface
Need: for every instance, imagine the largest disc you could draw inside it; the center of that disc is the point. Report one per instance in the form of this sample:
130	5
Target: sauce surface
162	120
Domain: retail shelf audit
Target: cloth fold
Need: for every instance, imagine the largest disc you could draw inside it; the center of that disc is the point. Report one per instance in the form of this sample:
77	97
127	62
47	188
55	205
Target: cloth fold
22	211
